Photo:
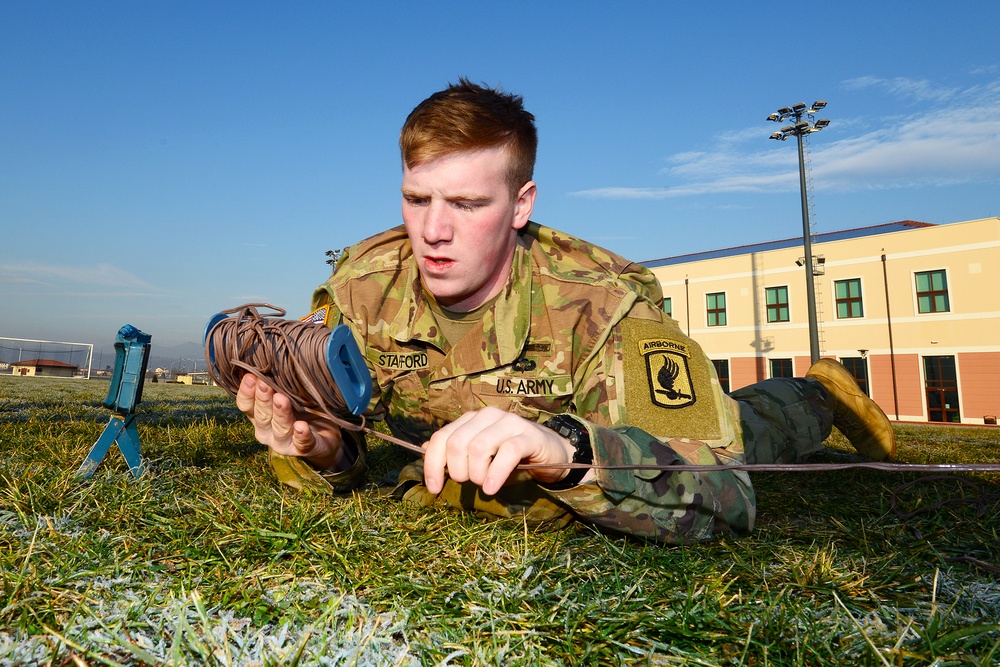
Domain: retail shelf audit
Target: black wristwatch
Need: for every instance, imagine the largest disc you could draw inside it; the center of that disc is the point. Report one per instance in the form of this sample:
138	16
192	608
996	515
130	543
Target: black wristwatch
578	436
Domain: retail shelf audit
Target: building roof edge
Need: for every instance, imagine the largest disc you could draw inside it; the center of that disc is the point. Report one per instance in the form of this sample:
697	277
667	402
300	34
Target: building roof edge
823	237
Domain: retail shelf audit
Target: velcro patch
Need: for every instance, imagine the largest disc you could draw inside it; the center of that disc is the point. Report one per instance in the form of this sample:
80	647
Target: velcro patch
404	361
667	382
318	316
668	372
517	385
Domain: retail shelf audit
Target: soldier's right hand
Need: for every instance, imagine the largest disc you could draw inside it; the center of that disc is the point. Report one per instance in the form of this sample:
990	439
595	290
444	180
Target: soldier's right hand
276	425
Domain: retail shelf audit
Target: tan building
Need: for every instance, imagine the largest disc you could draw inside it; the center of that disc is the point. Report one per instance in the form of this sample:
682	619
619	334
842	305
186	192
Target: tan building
911	308
195	378
44	367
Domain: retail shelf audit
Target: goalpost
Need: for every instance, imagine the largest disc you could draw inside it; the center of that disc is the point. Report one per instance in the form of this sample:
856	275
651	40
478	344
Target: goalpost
15	350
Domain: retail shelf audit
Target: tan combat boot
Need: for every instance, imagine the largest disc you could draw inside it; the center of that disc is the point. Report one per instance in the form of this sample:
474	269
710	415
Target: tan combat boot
854	414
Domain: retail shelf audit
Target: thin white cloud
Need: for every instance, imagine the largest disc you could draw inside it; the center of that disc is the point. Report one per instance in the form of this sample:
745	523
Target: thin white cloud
62	276
985	70
916	89
954	140
942	148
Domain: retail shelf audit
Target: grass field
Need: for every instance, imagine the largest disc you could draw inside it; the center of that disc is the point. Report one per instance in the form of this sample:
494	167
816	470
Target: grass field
207	560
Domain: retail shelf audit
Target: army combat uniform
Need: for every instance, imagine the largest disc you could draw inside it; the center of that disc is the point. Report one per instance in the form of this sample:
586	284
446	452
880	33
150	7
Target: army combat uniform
576	330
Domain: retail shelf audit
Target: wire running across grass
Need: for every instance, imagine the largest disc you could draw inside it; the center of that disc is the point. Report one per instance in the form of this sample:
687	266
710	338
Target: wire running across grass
289	355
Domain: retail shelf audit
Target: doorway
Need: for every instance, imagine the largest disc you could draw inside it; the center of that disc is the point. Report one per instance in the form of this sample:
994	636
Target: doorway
941	388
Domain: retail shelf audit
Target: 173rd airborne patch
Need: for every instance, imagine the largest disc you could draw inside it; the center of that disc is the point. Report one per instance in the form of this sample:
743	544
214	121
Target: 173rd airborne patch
668	373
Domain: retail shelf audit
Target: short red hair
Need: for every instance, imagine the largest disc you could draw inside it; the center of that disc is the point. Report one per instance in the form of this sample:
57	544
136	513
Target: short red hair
468	117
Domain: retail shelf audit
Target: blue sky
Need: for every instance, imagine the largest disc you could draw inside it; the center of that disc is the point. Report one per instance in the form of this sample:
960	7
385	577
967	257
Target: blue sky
160	162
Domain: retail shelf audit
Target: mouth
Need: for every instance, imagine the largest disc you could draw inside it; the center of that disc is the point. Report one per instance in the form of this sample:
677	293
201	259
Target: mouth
438	264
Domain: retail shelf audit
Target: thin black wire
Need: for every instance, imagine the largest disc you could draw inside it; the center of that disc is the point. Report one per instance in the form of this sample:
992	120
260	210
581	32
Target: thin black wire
290	356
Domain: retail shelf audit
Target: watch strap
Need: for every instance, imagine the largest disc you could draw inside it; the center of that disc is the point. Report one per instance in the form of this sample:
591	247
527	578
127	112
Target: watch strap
578	435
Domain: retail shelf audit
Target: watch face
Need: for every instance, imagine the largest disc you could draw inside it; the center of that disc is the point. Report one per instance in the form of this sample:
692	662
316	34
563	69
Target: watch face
570	435
568	429
560	425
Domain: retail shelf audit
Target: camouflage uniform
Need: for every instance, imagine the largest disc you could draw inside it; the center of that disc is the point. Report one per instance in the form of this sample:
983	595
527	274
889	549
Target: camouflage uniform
577	330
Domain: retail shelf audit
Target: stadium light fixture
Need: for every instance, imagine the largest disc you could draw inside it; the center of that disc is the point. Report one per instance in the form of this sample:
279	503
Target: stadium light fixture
804	123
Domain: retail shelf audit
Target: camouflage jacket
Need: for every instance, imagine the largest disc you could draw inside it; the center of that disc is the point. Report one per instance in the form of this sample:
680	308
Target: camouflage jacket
577	330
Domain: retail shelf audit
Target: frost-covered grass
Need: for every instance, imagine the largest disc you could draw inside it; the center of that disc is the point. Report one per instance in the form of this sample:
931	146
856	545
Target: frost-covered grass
206	560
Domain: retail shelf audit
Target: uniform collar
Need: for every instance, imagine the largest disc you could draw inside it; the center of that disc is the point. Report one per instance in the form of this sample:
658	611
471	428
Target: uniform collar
504	327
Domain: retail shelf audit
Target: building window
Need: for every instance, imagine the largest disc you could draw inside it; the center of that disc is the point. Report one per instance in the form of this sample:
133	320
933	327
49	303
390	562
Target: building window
781	368
848	293
858	367
722	370
716	307
668	307
932	292
777	304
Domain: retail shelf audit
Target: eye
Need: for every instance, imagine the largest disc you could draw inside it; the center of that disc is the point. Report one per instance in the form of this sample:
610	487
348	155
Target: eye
415	201
468	204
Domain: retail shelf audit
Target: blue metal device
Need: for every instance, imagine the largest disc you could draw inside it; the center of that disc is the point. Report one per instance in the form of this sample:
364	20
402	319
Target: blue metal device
343	359
124	394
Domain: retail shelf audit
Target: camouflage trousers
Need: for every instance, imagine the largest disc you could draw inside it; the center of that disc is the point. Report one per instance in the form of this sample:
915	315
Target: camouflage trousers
783	420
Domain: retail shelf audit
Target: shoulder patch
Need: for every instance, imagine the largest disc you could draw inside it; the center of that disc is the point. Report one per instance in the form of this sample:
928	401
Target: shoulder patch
318	316
667	372
667	382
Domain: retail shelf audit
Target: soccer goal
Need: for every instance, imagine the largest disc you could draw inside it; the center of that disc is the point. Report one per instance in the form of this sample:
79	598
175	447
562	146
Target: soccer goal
45	358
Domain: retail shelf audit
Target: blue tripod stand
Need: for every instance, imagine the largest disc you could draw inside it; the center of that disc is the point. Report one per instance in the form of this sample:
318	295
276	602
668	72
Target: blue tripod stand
125	393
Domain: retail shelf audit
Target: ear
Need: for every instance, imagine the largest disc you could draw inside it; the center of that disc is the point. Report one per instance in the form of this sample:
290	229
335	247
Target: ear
524	204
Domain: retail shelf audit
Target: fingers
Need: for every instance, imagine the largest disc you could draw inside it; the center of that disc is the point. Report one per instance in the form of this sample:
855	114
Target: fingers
245	394
276	426
436	455
301	439
319	442
485	446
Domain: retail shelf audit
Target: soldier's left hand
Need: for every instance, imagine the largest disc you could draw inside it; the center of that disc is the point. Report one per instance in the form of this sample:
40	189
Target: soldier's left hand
485	446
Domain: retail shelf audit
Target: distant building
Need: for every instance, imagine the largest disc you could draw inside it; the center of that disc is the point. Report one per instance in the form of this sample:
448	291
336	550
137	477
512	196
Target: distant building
912	309
44	367
195	378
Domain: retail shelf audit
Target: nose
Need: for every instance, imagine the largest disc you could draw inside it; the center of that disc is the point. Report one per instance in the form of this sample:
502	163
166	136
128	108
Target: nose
437	226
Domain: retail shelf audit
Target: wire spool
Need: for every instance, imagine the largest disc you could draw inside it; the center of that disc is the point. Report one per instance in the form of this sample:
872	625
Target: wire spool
321	370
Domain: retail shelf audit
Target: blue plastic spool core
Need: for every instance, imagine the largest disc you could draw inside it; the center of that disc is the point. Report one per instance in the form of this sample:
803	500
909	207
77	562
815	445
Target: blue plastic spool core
218	317
349	370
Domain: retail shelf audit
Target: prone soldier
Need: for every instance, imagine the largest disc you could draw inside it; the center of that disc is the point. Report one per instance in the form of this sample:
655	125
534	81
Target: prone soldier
494	341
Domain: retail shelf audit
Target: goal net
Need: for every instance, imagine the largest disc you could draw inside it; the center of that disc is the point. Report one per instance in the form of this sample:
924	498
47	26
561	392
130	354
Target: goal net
46	358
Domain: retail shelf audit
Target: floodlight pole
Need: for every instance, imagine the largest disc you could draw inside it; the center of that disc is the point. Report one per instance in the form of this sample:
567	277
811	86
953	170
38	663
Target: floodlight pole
807	247
799	129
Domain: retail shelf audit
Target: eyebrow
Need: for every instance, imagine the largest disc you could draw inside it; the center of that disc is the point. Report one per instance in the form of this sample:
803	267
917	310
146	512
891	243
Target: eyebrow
471	198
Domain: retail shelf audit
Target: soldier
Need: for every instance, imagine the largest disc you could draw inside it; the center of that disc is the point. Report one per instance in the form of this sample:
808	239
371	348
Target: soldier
494	341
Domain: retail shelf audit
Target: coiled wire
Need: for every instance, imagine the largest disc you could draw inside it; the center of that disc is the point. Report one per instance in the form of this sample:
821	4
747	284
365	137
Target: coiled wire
288	355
